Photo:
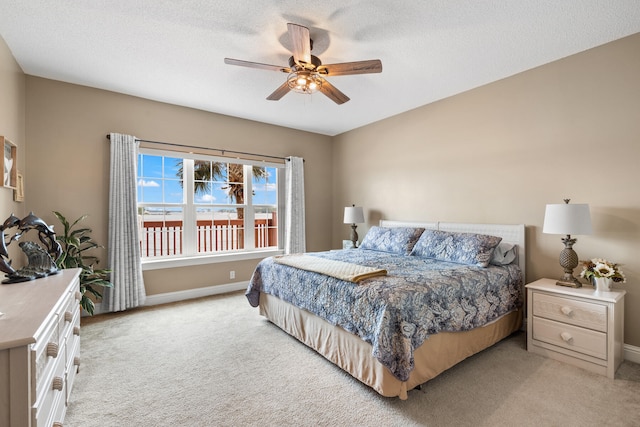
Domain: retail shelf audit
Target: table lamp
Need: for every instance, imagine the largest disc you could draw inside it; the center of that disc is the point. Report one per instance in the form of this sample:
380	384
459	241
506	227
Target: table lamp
353	215
567	219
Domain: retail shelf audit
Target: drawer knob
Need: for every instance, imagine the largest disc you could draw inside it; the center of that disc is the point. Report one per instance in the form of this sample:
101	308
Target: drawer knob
567	311
76	330
566	337
52	349
68	316
78	295
76	361
57	383
57	424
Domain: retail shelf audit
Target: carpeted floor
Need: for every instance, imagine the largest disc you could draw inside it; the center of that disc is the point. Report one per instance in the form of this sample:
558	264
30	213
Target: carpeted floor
216	362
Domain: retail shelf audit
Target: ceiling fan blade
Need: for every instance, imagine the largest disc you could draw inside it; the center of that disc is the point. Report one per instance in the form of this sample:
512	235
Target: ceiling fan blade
280	92
249	64
333	93
345	68
301	43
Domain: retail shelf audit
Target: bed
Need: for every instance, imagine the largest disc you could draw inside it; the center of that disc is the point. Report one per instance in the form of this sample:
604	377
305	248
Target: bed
421	306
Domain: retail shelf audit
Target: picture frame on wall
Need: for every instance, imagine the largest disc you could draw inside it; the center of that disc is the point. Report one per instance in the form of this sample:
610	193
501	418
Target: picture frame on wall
9	163
18	192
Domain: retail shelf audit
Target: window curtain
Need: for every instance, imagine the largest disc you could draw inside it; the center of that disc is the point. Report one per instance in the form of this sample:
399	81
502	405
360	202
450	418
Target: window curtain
294	235
124	247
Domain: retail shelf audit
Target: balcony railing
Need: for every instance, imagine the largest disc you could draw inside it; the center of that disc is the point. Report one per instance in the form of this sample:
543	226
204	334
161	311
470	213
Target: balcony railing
165	238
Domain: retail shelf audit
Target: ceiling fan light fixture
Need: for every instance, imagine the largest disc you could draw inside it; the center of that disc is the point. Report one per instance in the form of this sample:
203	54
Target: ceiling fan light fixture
304	81
305	71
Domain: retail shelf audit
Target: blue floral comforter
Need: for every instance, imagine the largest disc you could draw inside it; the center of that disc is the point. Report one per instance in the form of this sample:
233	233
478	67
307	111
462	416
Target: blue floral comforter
395	313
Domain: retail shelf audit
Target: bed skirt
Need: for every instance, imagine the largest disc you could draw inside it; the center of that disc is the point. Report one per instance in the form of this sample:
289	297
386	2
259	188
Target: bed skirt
352	354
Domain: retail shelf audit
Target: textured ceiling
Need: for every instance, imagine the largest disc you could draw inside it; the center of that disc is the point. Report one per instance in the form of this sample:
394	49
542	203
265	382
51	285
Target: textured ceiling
173	51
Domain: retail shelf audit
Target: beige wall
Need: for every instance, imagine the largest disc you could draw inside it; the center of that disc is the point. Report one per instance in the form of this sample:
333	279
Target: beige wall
69	162
500	153
12	127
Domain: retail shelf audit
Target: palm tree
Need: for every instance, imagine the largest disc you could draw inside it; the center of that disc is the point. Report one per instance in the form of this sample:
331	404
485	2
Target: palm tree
204	172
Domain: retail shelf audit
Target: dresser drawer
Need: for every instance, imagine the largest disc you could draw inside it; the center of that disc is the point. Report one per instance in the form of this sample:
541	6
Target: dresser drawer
54	396
585	341
46	351
72	338
59	411
73	367
67	313
579	313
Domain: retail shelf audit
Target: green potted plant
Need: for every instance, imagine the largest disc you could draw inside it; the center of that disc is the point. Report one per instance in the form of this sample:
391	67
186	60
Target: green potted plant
75	243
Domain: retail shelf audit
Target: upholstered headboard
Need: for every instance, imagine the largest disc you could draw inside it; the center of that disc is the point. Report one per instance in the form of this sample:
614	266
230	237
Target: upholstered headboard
510	233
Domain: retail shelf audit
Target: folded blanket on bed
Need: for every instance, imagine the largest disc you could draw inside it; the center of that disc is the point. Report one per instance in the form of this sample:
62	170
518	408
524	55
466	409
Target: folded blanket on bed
329	267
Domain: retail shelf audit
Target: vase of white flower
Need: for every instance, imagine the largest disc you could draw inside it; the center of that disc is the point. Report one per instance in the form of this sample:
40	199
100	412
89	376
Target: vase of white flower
602	284
602	273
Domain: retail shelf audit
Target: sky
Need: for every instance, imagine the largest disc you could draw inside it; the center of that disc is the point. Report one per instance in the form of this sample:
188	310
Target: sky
158	182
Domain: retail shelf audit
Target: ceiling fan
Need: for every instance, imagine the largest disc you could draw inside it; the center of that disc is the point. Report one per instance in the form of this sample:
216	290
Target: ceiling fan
306	72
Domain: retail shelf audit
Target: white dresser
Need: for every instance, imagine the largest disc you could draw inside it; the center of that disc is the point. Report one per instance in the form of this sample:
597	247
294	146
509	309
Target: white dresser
578	326
39	349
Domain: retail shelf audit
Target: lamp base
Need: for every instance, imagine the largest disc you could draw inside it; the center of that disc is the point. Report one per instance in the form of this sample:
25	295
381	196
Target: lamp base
354	235
568	261
569	283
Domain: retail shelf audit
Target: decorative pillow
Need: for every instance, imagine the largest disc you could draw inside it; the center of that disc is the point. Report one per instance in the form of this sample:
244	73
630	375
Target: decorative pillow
397	240
504	254
463	248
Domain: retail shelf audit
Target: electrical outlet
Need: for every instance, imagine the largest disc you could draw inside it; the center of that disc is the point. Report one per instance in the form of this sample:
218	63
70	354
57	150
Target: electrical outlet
232	274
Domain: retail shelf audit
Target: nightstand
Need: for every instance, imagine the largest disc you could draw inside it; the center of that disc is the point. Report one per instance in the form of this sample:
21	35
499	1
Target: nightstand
578	326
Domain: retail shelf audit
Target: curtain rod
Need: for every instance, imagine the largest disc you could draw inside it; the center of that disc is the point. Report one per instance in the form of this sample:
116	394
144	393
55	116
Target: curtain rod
206	148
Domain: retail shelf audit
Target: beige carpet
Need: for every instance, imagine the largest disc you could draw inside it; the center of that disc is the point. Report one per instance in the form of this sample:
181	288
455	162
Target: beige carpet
216	362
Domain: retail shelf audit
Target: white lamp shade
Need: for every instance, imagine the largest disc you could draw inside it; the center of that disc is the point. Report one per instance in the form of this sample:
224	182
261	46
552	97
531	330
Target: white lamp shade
353	215
567	218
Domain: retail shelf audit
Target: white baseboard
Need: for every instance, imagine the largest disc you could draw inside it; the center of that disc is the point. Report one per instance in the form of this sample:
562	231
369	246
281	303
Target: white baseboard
195	293
632	353
185	295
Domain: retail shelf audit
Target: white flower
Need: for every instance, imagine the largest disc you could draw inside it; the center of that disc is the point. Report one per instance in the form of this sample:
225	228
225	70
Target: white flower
604	270
600	267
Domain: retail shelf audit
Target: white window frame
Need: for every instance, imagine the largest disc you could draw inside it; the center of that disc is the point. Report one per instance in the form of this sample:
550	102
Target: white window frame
190	256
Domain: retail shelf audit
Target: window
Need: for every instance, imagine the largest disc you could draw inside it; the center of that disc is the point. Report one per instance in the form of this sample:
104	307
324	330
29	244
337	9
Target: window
196	205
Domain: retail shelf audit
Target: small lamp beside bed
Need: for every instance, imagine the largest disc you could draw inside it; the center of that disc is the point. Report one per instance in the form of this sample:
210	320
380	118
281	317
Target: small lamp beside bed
353	215
567	219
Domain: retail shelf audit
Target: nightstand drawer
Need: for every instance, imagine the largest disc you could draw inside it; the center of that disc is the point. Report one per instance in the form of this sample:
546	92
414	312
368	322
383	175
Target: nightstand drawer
579	313
573	338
